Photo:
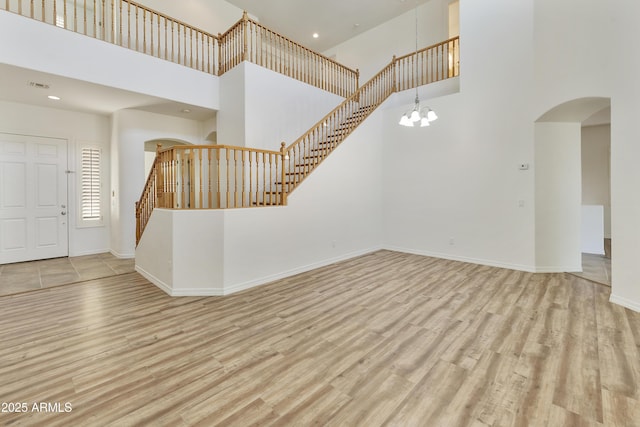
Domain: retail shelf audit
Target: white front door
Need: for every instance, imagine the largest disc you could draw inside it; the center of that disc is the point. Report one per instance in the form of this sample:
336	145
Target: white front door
33	198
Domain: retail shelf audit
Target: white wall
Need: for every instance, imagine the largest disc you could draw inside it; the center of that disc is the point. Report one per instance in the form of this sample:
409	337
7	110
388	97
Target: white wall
558	197
261	108
182	251
129	131
459	179
33	45
573	42
625	152
213	16
76	128
373	50
335	214
596	173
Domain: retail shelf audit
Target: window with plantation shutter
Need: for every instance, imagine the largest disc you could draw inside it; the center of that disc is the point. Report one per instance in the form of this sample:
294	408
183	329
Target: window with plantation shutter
90	186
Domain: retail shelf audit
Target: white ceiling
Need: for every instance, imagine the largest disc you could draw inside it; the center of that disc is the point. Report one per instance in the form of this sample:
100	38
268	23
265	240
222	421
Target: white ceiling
334	20
76	95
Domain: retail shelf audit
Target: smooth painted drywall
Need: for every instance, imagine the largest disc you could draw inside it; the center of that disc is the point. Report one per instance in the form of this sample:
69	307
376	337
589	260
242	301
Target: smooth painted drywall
454	189
625	152
213	16
592	229
30	44
334	214
573	42
279	108
558	197
261	108
372	50
130	129
596	170
181	251
77	129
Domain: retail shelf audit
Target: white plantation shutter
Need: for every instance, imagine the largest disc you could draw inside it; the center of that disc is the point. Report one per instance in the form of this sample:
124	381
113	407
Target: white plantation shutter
90	184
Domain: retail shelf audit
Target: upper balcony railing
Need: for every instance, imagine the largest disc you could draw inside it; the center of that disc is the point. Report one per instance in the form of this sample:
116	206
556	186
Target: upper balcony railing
127	24
250	41
133	26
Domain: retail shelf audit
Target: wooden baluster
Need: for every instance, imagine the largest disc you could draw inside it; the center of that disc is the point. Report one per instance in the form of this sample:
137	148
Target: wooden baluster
128	25
190	47
137	28
221	55
264	179
120	22
151	33
228	180
217	163
200	163
166	39
173	49
236	180
144	30
179	42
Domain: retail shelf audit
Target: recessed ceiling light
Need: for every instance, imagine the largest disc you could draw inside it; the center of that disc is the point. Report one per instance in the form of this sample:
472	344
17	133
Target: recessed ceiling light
55	98
316	35
186	110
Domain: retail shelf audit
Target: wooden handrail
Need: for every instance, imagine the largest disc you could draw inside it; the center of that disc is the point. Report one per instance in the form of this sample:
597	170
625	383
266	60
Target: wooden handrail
128	24
248	40
193	177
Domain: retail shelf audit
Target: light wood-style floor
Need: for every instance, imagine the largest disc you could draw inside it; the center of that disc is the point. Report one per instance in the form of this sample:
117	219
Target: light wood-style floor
384	339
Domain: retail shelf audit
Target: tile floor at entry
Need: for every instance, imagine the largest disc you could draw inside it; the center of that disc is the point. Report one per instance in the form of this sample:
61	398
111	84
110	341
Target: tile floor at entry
32	275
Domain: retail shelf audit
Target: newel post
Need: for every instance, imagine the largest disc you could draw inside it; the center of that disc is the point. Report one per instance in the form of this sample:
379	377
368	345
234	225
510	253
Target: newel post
245	32
284	157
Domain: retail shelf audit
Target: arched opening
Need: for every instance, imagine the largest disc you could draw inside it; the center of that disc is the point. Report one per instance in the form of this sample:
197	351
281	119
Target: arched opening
151	147
572	188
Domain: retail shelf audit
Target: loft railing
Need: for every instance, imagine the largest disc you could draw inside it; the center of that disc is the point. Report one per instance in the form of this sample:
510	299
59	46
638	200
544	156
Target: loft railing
210	177
248	40
218	177
127	24
428	65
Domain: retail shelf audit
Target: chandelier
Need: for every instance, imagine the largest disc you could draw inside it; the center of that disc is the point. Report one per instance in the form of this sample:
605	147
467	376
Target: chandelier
418	116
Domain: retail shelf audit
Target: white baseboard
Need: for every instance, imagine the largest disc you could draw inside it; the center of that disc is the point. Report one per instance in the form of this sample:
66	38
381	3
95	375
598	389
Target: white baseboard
491	263
565	269
122	256
153	279
303	269
627	303
91	252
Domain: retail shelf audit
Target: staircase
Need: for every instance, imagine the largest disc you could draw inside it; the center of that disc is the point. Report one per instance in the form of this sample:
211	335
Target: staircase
219	177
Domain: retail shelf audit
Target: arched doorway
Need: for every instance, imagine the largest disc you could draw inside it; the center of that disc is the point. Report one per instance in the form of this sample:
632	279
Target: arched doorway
151	147
561	213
